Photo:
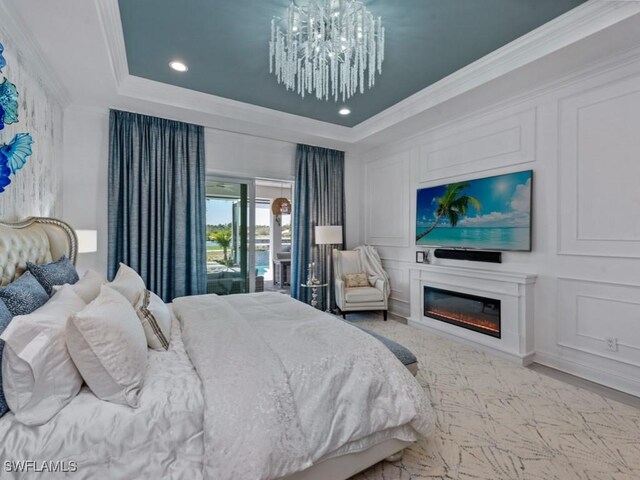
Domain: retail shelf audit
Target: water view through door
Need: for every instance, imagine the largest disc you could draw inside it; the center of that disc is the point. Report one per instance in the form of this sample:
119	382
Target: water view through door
227	236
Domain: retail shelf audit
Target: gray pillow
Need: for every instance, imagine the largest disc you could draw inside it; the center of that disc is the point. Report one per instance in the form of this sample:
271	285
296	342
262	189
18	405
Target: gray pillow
54	273
5	318
24	295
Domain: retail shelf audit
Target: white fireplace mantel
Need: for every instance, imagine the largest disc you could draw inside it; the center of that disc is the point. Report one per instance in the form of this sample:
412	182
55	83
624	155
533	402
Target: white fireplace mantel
514	290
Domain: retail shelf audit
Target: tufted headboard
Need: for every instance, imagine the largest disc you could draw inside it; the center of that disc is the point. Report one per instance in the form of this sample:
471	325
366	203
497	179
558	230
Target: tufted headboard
34	239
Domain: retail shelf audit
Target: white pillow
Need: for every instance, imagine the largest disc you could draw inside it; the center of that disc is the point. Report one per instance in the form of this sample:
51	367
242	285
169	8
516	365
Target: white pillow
39	377
156	320
88	287
128	283
108	345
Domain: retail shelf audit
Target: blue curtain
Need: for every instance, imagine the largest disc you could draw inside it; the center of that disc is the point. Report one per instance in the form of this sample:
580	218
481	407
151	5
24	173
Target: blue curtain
319	200
157	209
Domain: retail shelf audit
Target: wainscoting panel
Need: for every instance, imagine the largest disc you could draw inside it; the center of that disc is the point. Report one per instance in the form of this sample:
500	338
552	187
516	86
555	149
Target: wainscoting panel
388	194
590	313
599	169
399	278
499	143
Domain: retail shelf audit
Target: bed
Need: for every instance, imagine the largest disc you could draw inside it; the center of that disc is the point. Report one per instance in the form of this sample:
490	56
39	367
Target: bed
214	407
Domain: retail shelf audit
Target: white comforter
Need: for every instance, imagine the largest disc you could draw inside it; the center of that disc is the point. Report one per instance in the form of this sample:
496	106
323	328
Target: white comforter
161	439
286	385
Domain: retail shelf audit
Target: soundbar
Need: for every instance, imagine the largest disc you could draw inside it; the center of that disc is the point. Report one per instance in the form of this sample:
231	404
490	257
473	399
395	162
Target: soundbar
472	255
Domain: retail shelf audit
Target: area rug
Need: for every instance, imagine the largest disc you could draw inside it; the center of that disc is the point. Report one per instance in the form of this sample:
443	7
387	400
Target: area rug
497	420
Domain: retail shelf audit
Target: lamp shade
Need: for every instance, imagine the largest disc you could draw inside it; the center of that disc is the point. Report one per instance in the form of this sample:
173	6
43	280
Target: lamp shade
87	241
328	234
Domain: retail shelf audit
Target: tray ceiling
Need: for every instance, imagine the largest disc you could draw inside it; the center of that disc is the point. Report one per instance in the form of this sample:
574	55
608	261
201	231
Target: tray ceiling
225	45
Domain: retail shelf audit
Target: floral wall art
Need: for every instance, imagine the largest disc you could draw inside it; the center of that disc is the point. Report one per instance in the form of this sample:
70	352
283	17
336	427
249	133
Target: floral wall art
30	140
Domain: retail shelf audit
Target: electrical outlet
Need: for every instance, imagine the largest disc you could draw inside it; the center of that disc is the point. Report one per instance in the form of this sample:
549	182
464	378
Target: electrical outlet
612	344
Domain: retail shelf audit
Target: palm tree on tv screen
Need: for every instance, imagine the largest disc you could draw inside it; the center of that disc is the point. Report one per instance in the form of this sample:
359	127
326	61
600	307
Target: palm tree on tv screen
452	205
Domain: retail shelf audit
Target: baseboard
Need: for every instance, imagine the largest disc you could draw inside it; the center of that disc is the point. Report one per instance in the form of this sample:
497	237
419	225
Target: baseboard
588	372
523	360
399	308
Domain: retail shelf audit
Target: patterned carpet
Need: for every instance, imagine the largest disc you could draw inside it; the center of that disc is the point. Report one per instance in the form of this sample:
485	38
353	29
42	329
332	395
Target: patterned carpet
496	420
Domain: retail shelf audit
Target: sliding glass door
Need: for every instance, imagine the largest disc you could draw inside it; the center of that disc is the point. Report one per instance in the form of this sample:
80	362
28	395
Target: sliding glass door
230	235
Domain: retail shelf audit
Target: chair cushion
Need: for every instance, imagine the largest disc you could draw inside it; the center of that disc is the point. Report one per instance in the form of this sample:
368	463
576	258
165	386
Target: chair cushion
349	262
352	280
362	295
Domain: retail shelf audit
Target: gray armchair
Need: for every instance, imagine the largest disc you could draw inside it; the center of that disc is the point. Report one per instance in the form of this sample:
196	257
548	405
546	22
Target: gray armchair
357	299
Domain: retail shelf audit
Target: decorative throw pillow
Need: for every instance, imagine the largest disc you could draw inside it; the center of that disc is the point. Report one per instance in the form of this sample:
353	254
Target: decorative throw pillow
108	345
24	295
352	280
128	283
156	320
5	318
54	273
88	287
39	376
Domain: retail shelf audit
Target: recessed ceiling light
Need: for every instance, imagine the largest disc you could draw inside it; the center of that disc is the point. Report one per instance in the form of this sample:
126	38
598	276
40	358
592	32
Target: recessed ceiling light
178	66
344	111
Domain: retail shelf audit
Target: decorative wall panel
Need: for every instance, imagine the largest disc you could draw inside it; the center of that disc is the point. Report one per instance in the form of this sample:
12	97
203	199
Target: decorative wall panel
502	142
599	169
388	187
592	312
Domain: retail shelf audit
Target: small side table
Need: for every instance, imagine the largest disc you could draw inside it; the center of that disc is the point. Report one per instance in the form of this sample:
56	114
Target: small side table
314	291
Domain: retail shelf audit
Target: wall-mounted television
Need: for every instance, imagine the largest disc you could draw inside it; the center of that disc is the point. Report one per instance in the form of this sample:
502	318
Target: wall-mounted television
492	213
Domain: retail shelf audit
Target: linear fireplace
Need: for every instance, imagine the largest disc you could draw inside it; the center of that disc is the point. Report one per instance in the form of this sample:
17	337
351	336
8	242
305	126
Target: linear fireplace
480	314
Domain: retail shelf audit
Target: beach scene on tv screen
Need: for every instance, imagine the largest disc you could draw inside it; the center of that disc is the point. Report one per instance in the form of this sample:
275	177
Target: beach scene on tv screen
492	213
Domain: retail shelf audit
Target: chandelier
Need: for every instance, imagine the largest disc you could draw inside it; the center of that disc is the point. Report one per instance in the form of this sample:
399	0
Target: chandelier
327	46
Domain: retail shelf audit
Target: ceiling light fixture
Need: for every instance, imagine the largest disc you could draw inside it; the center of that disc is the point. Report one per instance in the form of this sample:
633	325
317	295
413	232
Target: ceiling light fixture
325	47
178	66
344	111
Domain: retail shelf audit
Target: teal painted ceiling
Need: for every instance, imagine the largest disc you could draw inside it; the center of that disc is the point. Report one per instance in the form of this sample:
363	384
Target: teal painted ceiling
225	45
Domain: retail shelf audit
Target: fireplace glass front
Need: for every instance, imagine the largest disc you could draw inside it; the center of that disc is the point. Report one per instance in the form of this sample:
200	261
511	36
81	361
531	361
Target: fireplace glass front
480	314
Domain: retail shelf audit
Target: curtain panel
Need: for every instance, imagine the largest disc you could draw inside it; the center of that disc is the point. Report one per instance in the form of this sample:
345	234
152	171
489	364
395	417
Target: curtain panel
319	200
157	210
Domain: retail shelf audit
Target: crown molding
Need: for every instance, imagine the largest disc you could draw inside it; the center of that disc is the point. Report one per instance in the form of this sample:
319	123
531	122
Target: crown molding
514	103
210	110
217	112
577	24
109	16
13	26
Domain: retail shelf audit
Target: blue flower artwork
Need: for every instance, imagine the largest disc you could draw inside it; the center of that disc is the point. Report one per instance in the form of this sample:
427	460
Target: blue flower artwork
15	152
9	102
5	171
3	62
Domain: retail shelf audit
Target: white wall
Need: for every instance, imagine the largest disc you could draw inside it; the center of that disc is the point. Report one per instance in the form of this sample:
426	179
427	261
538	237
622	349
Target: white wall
238	155
35	189
86	149
581	139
